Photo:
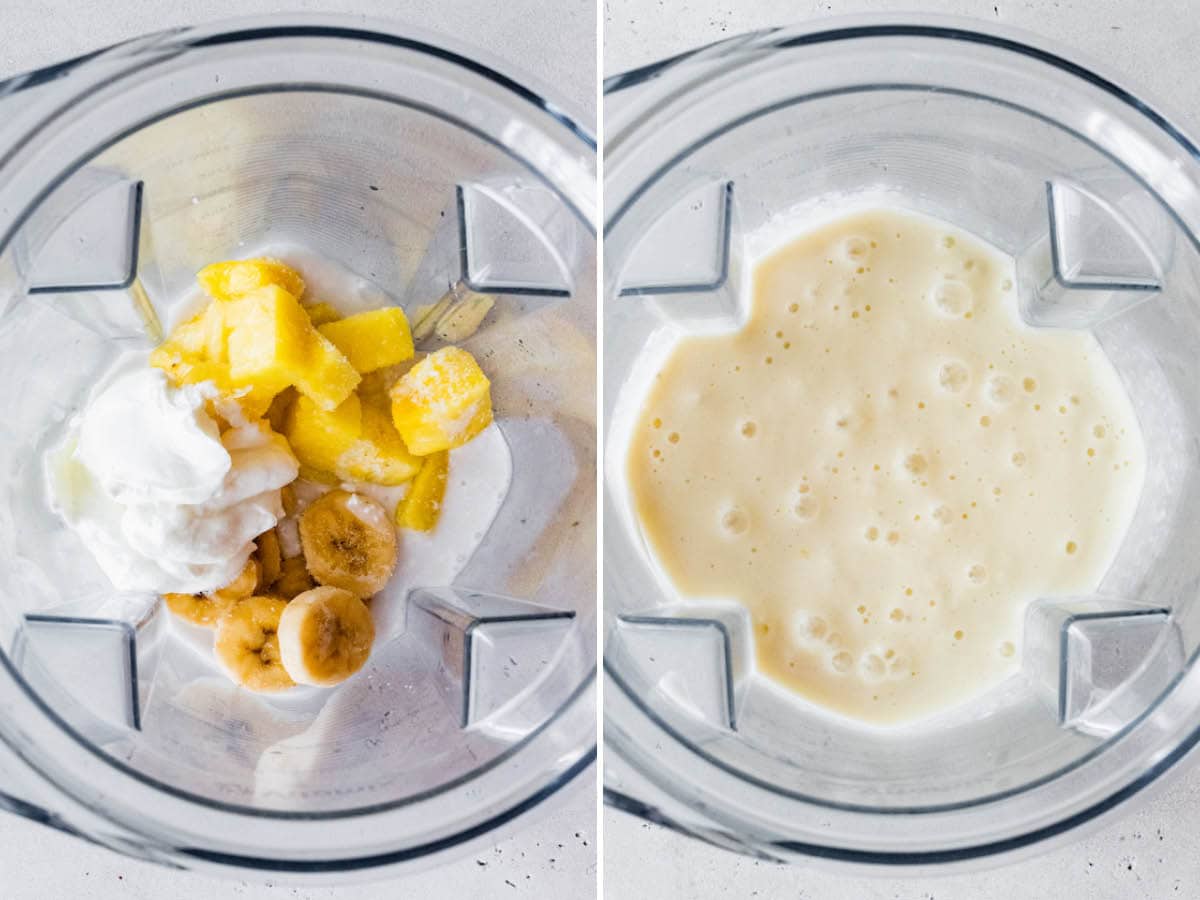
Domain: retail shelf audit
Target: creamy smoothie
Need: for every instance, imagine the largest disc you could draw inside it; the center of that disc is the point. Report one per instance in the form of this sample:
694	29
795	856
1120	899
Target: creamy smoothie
885	465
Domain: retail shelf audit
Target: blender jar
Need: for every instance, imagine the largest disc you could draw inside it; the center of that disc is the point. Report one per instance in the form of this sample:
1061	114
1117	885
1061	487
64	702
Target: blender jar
1097	196
421	169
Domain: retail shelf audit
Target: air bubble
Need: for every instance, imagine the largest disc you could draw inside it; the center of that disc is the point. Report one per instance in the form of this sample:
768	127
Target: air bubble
952	298
873	667
953	376
943	515
841	661
806	508
915	463
809	628
853	248
1099	431
748	428
1001	390
977	574
735	521
1017	459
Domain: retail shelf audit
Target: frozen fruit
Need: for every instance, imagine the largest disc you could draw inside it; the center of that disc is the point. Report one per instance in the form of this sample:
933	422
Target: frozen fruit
236	277
372	340
420	508
442	402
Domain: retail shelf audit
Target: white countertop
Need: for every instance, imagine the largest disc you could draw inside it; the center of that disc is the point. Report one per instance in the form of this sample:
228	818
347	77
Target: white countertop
1152	853
550	857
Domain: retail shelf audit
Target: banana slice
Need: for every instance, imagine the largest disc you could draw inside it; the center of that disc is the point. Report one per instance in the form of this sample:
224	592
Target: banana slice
247	644
293	578
206	609
349	542
325	636
287	496
270	559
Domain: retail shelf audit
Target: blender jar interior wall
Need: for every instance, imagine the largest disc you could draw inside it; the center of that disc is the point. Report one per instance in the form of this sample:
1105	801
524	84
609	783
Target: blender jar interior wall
273	140
790	132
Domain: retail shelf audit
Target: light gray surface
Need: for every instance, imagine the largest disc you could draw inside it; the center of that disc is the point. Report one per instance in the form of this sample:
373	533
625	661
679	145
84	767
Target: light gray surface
552	855
1152	853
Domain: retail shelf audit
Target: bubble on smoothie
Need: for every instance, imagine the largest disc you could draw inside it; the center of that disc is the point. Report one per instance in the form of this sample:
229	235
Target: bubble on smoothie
853	248
952	298
915	463
807	627
735	521
1001	390
943	515
1018	458
953	376
806	507
977	574
841	661
899	666
873	667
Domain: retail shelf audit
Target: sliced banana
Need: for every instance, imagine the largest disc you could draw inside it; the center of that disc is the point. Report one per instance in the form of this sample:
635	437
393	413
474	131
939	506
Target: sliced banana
349	542
270	559
287	496
325	636
247	644
463	319
293	578
205	609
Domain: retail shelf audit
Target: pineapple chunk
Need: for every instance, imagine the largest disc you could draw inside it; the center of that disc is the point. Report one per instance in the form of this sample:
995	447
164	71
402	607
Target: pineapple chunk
232	279
355	441
321	314
372	340
420	508
442	402
319	437
272	345
379	456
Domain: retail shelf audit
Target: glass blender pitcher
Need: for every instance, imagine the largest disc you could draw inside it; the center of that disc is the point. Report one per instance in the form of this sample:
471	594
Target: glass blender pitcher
1097	197
421	169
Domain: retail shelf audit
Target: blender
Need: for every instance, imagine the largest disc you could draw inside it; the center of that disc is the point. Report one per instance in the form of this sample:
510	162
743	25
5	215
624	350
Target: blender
1096	195
422	169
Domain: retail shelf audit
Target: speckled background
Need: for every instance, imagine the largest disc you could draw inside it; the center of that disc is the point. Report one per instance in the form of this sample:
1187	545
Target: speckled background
553	854
1152	852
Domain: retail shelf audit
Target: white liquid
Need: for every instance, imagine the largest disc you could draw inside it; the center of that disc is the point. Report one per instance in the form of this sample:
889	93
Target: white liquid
885	466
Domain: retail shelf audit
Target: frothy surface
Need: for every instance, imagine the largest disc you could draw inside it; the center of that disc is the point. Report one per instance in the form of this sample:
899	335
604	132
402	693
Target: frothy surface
885	465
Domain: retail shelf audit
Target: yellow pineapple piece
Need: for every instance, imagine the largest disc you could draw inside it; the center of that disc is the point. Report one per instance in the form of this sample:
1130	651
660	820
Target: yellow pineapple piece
420	508
321	314
380	455
372	340
319	437
272	344
442	402
355	441
237	277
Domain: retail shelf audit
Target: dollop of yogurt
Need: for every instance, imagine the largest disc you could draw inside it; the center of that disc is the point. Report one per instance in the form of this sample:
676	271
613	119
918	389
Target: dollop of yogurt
162	499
